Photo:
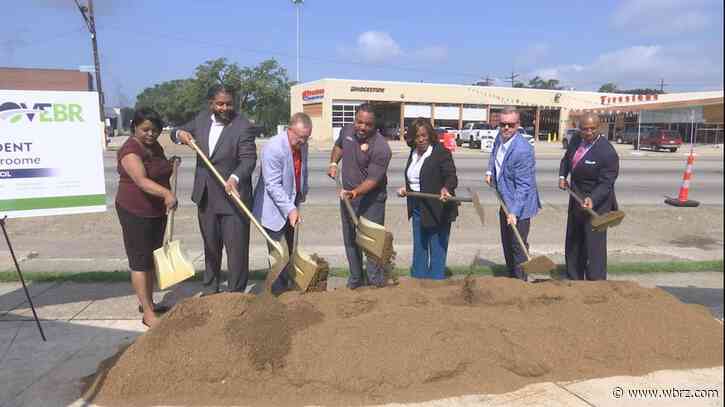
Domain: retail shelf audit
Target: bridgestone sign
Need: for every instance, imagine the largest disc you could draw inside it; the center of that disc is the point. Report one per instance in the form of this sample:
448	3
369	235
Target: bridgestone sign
51	154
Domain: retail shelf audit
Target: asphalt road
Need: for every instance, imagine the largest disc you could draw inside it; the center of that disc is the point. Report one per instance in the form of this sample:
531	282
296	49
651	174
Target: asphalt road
642	180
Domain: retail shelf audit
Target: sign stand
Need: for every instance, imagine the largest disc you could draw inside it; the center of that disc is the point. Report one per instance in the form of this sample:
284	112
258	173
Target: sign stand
20	275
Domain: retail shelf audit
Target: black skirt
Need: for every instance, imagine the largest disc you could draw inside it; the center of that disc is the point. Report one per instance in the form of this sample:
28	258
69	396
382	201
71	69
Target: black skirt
141	236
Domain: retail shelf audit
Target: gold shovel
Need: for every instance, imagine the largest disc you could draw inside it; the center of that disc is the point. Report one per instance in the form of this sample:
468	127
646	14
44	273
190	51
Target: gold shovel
599	222
171	265
535	265
279	256
372	238
307	271
473	199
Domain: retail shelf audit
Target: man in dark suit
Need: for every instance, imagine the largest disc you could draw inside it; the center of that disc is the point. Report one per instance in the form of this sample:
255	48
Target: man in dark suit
512	171
226	138
593	165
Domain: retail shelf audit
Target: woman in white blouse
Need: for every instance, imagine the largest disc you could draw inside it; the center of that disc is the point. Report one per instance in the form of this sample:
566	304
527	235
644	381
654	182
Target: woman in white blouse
430	169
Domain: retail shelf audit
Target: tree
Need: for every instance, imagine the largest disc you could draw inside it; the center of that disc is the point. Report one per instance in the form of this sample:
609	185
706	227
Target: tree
643	91
609	87
540	83
263	92
176	101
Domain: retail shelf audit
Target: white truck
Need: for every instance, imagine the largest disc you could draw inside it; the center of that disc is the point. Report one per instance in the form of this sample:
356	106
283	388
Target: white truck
474	133
489	138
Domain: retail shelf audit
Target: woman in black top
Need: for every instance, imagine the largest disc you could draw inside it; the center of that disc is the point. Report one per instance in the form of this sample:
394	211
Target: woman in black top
430	169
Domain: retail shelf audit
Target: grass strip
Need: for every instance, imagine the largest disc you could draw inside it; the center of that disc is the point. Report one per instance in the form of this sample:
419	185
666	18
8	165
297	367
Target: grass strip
494	270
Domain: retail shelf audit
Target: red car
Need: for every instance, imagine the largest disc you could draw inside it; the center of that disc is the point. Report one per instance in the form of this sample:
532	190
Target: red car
660	139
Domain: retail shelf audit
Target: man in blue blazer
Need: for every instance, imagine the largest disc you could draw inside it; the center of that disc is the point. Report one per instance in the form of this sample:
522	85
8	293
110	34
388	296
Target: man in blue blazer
512	171
283	185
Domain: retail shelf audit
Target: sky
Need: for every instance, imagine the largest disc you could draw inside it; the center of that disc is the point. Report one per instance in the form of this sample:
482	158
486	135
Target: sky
583	44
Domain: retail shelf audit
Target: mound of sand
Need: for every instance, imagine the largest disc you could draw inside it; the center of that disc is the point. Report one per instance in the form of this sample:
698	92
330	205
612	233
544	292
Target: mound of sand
413	342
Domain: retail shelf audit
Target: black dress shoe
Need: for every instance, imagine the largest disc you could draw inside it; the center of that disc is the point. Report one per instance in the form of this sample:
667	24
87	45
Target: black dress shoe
158	308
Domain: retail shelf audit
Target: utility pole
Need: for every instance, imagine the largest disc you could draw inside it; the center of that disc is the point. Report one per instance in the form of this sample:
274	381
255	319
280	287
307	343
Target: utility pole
298	6
662	85
89	18
512	78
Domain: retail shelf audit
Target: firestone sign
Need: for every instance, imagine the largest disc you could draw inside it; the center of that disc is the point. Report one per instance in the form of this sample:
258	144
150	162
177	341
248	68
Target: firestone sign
313	95
608	100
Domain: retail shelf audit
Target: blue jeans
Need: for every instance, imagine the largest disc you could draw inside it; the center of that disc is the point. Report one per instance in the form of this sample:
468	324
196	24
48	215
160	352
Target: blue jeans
430	248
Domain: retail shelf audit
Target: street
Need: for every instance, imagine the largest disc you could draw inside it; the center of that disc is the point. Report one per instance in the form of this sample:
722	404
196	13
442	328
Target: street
642	181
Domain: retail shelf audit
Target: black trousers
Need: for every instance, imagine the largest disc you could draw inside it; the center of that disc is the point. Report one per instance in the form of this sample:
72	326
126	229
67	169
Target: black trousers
512	250
288	232
231	232
585	249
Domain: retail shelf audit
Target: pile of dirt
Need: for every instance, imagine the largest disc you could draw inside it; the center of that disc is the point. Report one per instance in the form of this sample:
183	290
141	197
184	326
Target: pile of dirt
417	341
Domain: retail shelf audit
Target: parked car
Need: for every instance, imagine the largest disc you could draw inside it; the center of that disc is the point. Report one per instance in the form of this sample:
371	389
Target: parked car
473	134
660	139
391	132
568	135
629	134
486	140
449	144
525	134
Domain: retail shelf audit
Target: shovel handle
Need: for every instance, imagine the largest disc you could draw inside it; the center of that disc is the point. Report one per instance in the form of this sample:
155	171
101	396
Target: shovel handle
345	201
296	234
513	227
434	196
350	211
237	200
169	232
576	197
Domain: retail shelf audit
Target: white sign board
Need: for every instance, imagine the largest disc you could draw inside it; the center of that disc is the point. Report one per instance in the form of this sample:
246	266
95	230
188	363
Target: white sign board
51	154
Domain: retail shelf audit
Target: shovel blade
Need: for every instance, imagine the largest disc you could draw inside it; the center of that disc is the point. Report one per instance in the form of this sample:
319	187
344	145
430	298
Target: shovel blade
278	260
538	265
165	268
374	240
304	269
607	220
477	206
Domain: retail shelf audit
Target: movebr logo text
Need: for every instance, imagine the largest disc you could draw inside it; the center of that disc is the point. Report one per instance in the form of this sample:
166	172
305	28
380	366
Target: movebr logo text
41	112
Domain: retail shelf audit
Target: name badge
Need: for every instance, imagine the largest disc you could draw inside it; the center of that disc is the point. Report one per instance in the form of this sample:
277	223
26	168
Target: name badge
589	162
348	138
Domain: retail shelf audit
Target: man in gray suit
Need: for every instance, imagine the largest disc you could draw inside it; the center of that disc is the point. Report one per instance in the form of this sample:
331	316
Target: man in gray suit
282	185
226	138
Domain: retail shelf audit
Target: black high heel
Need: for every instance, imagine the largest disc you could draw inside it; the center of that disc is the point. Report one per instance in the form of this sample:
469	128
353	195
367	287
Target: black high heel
158	308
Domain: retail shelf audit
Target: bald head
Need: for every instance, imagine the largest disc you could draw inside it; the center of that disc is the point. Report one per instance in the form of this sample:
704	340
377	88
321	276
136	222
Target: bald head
589	126
589	120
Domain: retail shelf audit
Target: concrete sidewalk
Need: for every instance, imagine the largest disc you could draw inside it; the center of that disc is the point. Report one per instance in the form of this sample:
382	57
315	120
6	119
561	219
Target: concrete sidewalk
88	322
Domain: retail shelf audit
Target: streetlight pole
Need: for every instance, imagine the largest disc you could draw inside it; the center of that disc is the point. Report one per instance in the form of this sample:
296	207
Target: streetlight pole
298	6
89	18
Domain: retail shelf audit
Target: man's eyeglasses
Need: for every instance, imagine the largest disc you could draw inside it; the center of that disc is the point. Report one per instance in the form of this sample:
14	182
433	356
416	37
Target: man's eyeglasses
507	125
588	129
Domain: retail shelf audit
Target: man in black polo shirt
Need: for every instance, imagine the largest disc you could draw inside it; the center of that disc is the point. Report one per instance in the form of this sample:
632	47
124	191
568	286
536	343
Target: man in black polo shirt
365	155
